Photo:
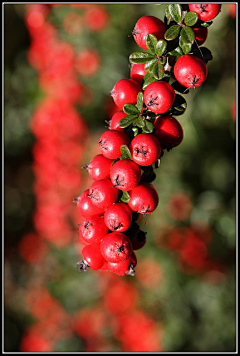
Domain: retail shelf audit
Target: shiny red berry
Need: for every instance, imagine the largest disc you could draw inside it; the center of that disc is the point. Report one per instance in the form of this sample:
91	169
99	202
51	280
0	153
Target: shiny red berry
102	193
143	199
114	122
118	217
125	174
110	143
116	247
145	149
93	230
146	25
201	34
206	12
168	131
159	97
85	206
92	257
99	167
137	72
125	91
124	268
190	71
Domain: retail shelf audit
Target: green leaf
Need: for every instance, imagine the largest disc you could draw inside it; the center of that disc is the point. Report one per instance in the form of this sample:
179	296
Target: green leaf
151	42
140	121
126	121
167	14
148	127
149	66
157	163
114	161
179	106
158	71
149	81
139	104
185	47
172	32
175	11
177	52
206	24
190	18
187	35
140	57
160	47
125	197
125	152
130	109
135	131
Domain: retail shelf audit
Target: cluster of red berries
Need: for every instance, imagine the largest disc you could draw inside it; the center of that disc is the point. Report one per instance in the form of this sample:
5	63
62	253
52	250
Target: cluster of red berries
137	135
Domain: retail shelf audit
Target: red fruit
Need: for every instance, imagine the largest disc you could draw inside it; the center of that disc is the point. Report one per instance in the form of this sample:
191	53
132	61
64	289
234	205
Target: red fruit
143	199
125	91
206	12
116	247
118	217
190	71
85	206
93	229
124	268
114	122
146	25
87	62
125	174
145	149
137	72
111	142
159	97
99	167
102	193
168	131
92	258
200	34
138	240
80	237
96	18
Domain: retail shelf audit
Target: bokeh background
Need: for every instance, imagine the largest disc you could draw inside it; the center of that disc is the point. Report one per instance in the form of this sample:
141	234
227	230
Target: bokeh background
61	61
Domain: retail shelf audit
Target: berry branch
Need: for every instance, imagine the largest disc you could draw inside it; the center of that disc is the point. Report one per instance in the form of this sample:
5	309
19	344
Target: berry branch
139	133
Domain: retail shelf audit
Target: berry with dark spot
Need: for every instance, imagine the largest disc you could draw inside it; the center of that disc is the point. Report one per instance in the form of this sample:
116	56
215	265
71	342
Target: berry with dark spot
116	247
145	149
159	97
93	230
110	143
118	217
125	174
190	71
206	12
143	199
102	193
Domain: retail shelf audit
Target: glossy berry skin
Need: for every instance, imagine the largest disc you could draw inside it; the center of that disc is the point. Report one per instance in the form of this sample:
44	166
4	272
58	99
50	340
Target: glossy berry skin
93	256
114	122
116	247
85	206
124	268
190	71
168	131
110	143
137	72
102	193
99	167
143	199
201	34
125	174
118	217
206	12
125	91
159	97
146	25
93	230
145	149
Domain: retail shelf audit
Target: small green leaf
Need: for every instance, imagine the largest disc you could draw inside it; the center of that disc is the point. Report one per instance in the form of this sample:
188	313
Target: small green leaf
135	131
114	161
177	52
157	163
148	127
172	32
140	57
139	104
149	65
187	35
167	14
125	151
190	18
160	47
175	11
125	197
206	24
185	47
158	71
140	121
149	81
126	121
151	42
130	109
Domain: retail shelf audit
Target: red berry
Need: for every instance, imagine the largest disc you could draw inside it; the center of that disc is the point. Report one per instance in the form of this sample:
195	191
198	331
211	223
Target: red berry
143	199
125	91
145	149
93	230
159	97
125	174
124	268
85	206
102	193
137	72
99	167
114	122
168	131
111	142
190	71
80	237
206	12
200	34
138	240
116	247
118	217
92	258
146	25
